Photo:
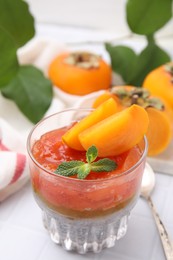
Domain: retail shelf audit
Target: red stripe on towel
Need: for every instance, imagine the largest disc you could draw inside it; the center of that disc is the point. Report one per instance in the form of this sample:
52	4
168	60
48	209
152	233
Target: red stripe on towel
3	147
20	165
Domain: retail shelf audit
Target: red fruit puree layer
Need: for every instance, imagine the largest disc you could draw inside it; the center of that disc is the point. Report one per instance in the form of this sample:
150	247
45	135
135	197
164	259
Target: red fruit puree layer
50	151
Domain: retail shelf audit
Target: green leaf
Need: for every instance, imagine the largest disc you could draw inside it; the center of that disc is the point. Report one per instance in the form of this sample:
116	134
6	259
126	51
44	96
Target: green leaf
91	154
16	19
147	16
31	91
69	168
103	165
8	58
123	60
150	58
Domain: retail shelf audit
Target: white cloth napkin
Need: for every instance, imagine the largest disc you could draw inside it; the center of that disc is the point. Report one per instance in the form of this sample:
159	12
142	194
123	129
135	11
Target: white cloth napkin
14	171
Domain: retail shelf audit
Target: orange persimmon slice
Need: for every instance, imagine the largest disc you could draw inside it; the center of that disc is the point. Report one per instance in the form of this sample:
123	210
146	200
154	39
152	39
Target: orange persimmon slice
106	109
117	133
159	132
102	98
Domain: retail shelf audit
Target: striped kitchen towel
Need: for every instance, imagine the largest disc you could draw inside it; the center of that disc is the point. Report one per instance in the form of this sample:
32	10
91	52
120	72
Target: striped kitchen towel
14	172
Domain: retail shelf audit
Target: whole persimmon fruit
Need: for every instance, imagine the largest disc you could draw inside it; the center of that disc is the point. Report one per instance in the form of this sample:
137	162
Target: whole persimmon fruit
80	73
160	127
160	82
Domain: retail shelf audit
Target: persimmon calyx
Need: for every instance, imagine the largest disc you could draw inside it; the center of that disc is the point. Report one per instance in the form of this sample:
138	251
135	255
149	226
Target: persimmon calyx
169	69
138	96
84	60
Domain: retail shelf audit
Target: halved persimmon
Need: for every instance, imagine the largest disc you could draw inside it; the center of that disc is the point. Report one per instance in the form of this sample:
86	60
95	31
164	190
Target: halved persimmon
106	109
117	133
80	73
158	134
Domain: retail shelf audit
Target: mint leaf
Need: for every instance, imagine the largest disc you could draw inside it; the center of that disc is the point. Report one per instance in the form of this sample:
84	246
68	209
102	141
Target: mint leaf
69	168
31	91
83	169
91	154
16	19
103	165
146	17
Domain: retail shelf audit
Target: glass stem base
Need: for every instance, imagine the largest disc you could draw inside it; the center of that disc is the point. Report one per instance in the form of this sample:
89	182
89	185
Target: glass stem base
83	235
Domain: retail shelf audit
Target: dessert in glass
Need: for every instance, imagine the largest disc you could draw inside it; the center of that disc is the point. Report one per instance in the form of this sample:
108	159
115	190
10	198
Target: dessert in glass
86	213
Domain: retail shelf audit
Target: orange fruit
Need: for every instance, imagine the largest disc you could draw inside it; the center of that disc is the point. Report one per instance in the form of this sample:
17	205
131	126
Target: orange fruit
117	133
71	137
160	82
103	97
158	134
80	73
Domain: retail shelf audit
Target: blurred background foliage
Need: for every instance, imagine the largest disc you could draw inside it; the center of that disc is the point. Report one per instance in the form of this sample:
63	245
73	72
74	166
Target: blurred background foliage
27	85
143	18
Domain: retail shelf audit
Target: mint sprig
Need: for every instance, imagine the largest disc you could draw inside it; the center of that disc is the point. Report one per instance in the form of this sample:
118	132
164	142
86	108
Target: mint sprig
82	169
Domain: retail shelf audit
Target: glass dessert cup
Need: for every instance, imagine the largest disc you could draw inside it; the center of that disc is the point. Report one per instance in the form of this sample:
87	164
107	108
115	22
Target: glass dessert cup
89	214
